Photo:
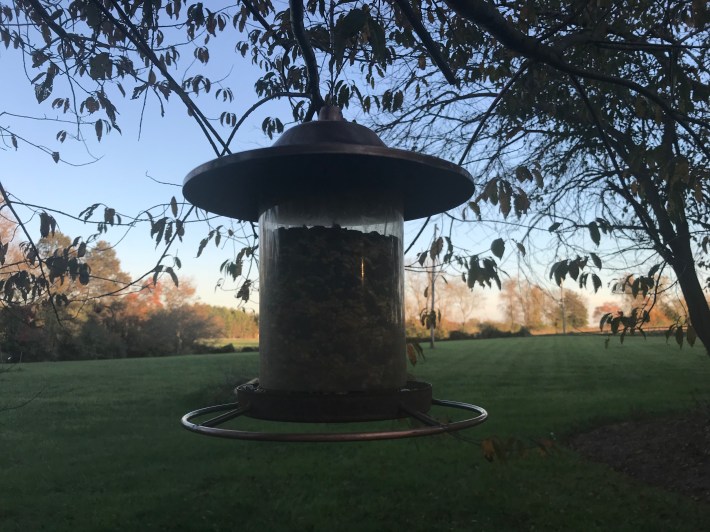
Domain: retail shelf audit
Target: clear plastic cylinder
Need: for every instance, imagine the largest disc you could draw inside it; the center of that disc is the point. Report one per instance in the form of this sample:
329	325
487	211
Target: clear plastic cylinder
331	316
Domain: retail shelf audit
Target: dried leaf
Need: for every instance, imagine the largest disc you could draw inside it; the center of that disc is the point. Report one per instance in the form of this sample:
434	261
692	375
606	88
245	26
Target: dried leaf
691	335
411	355
489	451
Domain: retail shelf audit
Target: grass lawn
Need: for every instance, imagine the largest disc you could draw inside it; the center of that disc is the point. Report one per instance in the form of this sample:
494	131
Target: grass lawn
101	448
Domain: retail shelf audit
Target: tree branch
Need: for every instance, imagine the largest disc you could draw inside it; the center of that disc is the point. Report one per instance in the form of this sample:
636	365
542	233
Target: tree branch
484	14
134	36
309	57
427	41
490	109
264	23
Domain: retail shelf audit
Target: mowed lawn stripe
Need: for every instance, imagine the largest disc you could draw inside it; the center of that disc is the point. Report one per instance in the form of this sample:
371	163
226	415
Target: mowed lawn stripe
102	449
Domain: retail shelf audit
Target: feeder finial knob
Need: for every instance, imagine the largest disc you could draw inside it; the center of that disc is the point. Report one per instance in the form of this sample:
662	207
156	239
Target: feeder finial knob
330	113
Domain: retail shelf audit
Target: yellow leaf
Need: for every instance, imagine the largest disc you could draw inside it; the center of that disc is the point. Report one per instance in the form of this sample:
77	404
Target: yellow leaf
411	354
488	448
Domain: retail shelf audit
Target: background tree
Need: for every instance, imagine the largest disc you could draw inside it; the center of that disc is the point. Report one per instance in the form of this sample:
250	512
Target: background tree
575	308
511	304
461	302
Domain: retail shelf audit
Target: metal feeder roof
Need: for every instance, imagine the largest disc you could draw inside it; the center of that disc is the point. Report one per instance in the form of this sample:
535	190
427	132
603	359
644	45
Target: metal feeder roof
329	156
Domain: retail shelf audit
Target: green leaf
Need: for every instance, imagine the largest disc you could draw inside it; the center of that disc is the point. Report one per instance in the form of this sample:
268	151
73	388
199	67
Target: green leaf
173	275
597	282
498	247
559	271
378	40
436	248
596	260
523	174
521	248
594	232
679	336
504	196
606	317
554	227
615	325
243	292
398	100
84	274
201	247
654	270
174	206
156	272
669	331
100	66
43	90
346	28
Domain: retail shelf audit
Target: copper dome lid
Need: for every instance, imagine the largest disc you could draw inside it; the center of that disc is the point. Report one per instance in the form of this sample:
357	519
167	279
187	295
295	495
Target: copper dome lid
328	157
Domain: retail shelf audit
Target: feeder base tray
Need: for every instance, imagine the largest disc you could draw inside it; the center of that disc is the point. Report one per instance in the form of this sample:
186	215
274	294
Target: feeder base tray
413	401
276	405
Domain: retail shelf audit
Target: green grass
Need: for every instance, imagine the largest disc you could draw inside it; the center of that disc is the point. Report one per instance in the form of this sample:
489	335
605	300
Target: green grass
102	449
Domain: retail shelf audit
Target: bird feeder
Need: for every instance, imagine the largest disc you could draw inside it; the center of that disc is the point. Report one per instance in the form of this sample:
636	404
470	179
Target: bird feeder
330	199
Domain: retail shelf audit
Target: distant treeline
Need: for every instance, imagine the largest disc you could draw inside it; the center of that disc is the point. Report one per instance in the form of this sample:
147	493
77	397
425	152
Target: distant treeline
124	328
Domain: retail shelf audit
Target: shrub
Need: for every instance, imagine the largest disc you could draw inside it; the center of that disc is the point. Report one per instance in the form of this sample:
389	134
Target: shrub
460	335
491	331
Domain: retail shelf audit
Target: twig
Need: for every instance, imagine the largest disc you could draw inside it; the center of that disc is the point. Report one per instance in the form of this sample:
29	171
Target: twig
257	105
134	36
11	206
427	41
411	245
490	109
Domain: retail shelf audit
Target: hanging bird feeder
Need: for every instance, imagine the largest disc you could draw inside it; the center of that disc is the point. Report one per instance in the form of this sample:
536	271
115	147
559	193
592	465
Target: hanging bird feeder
330	199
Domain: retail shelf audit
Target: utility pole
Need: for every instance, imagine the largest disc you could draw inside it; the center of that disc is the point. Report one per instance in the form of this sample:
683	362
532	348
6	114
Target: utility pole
432	324
562	308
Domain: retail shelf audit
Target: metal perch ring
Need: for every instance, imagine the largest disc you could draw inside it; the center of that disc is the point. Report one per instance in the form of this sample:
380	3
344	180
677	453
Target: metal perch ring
231	411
